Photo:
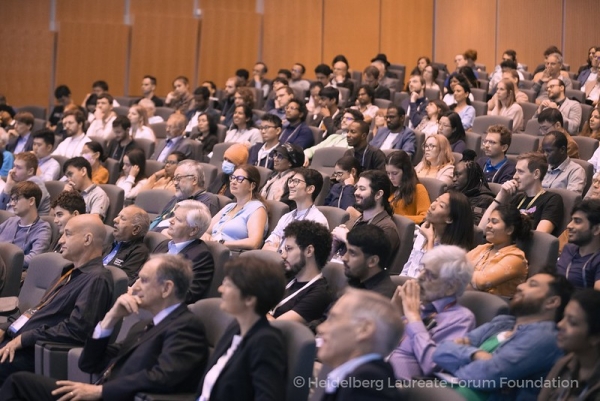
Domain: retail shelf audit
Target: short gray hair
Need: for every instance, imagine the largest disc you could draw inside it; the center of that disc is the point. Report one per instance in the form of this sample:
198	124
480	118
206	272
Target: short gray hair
196	167
140	218
559	57
197	214
373	306
177	269
454	267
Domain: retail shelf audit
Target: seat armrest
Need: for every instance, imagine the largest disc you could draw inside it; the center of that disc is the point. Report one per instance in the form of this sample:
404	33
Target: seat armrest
51	359
9	305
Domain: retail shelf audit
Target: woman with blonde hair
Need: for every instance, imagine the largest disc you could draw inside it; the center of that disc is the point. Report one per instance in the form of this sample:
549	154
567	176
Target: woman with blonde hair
504	104
138	117
438	160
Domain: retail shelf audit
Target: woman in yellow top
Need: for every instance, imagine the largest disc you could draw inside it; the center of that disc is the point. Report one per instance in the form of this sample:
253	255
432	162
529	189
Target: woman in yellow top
438	160
499	267
409	197
94	153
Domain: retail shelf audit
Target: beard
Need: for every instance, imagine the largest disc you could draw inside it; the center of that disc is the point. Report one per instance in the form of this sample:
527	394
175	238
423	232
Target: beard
295	268
366	203
520	307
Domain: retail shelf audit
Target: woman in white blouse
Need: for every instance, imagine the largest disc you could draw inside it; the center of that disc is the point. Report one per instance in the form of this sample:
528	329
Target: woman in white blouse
243	130
504	103
139	123
133	178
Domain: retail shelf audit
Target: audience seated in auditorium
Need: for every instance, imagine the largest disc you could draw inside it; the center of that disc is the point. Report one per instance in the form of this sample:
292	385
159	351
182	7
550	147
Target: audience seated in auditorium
513	76
450	126
287	157
345	175
497	168
364	103
21	139
337	139
163	179
72	145
101	125
304	185
552	71
509	62
562	171
409	197
189	222
148	91
504	104
128	251
263	153
430	74
234	156
200	106
361	330
25	169
283	96
62	94
150	108
79	175
295	130
591	128
180	97
468	178
206	132
26	230
258	78
93	152
68	311
341	74
7	156
313	105
297	81
369	157
328	117
133	177
556	99
430	123
121	143
438	160
43	143
228	105
449	221
430	310
305	251
140	129
518	347
371	77
416	104
243	130
500	266
67	205
241	224
174	140
453	80
381	63
249	361
551	119
525	192
462	105
395	135
579	261
98	88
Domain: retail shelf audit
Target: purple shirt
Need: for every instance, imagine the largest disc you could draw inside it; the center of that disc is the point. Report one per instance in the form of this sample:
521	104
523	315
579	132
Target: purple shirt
414	355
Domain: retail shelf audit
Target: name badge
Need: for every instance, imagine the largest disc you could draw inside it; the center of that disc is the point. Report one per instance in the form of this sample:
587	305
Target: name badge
20	322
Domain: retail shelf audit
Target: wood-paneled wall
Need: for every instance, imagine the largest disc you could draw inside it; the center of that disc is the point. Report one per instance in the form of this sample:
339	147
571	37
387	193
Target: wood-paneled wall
166	38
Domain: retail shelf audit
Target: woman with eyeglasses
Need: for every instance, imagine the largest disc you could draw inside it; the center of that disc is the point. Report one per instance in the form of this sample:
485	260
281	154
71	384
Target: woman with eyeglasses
500	266
504	103
430	123
409	197
579	338
345	175
287	157
243	130
451	127
133	177
438	160
243	223
163	179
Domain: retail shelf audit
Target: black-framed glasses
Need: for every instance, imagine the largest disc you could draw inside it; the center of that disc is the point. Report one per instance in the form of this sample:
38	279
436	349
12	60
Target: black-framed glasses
266	127
337	174
295	181
238	178
178	178
14	199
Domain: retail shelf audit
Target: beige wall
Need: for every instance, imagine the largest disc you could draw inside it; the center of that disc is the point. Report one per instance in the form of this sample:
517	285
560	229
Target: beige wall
165	38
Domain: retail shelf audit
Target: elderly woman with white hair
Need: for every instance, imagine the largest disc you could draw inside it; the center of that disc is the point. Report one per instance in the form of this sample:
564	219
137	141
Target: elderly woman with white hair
430	310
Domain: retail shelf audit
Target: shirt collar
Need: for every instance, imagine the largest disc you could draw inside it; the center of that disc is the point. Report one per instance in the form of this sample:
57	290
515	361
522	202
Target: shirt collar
341	372
439	305
561	167
88	189
490	167
164	313
177	248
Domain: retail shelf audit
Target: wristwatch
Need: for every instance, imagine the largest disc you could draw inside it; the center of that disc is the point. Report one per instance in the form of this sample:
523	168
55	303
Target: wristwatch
221	241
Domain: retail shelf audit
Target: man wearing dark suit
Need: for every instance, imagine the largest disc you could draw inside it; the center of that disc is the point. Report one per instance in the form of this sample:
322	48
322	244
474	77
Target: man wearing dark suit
175	140
164	355
20	137
190	220
362	328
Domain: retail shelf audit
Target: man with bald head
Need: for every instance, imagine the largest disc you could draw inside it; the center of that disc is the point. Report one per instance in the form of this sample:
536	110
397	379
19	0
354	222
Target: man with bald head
175	141
71	307
128	252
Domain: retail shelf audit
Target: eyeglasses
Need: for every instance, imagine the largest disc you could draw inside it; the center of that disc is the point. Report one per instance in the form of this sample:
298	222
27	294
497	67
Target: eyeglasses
238	178
265	127
338	173
178	178
429	276
429	146
291	108
349	118
295	181
14	199
488	142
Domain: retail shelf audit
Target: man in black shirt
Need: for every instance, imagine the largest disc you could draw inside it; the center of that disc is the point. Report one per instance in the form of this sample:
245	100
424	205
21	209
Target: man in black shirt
369	157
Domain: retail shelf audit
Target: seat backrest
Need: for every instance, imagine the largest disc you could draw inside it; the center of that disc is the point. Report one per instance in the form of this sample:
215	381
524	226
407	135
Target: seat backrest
263	255
37	111
589	172
210	173
473	142
586	112
480	108
120	281
400	280
5	215
484	306
433	186
125	101
526	83
164	112
54	188
301	353
275	210
324	159
160	129
265	173
218	152
570	199
121	110
38	124
13	257
479	94
336	278
399	97
223	200
529	110
214	319
109	239
116	195
221	255
317	134
432	94
153	239
532	127
575	95
530	97
420	140
153	200
147	146
482	123
541	251
53	229
344	95
152	166
44	270
587	146
114	170
406	232
320	199
382	103
522	143
334	215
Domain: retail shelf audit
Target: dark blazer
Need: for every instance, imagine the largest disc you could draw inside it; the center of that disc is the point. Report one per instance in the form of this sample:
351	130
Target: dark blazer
183	145
167	358
12	143
257	369
203	267
377	371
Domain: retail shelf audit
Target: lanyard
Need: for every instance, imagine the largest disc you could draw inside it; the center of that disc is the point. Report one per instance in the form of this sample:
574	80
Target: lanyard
54	290
583	269
291	296
532	201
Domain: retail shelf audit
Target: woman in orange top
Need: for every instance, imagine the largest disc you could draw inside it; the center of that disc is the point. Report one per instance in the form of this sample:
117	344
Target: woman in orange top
94	153
409	197
499	267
